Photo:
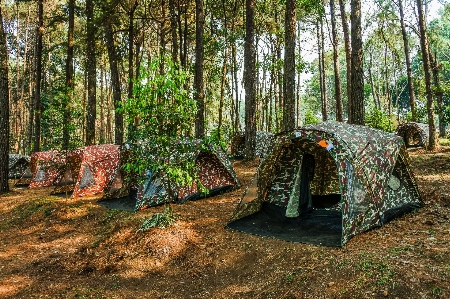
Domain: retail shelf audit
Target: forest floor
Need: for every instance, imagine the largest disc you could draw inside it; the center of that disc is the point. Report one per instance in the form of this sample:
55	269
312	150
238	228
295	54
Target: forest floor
53	247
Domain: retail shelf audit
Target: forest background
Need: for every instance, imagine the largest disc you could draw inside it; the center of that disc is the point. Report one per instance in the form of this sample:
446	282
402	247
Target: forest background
267	65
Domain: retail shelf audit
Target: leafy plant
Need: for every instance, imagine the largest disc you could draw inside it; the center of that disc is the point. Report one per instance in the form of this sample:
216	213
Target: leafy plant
160	113
310	118
379	119
162	220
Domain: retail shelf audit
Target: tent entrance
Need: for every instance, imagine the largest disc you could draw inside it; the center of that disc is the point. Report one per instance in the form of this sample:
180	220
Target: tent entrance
301	200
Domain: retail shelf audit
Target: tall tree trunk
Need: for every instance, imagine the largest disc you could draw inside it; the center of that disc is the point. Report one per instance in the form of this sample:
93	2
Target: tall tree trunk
4	112
37	94
357	79
91	73
102	137
289	67
435	67
323	91
412	97
130	48
173	28
115	81
348	57
337	77
249	80
198	77
427	70
69	76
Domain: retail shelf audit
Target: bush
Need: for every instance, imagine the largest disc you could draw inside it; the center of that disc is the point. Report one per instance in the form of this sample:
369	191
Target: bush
379	119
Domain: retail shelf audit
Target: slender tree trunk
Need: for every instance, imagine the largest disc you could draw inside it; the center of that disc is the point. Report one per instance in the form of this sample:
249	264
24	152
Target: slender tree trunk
435	66
115	82
102	137
323	91
198	77
37	94
69	76
4	112
289	67
130	48
412	97
91	73
249	80
173	28
357	81
372	85
427	70
337	77
348	57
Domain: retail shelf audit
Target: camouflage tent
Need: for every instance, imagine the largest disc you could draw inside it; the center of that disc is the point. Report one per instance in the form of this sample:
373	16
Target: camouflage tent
99	165
324	183
55	168
414	134
17	165
263	144
46	168
215	172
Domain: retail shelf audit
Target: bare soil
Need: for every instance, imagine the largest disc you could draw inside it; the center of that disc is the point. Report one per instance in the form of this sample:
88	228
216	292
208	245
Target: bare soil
54	247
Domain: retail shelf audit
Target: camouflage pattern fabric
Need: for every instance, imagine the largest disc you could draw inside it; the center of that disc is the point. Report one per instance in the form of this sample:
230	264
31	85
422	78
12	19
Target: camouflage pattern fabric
46	167
99	167
214	172
355	161
17	164
65	182
414	134
263	144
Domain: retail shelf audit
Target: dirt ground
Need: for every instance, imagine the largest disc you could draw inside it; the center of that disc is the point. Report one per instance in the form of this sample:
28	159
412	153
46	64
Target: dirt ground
53	247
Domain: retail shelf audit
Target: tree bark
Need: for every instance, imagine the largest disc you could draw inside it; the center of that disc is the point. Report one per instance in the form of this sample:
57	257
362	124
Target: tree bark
412	97
37	94
438	92
91	73
427	71
323	91
357	78
4	112
249	81
69	76
289	67
337	78
115	82
173	28
198	77
348	57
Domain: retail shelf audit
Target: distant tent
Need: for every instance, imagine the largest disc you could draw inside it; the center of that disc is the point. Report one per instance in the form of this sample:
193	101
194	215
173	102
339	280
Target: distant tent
414	134
46	168
99	166
215	173
17	165
263	144
325	183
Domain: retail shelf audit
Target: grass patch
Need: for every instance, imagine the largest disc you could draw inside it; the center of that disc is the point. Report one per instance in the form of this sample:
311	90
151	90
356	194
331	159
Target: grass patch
444	141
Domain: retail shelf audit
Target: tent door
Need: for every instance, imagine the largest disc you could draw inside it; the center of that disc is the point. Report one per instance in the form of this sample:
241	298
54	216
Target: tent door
307	174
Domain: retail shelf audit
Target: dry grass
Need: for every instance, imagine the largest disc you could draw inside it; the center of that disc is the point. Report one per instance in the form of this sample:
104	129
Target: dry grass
52	247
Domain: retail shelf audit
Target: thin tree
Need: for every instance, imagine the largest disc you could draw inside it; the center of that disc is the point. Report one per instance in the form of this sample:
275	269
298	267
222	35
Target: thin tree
4	111
357	78
37	93
427	70
412	97
289	67
320	51
91	73
198	77
337	77
115	80
249	81
348	56
69	75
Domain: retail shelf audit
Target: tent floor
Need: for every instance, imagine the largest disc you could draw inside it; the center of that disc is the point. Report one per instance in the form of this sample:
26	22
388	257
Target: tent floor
127	203
320	227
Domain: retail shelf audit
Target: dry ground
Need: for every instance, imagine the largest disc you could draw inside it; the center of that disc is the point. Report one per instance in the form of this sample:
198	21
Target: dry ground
53	247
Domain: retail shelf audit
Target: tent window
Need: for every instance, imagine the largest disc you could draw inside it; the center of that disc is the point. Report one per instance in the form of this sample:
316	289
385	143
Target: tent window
394	182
